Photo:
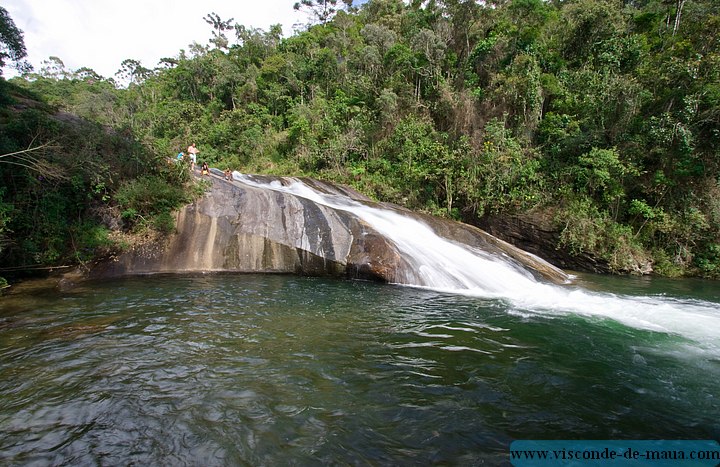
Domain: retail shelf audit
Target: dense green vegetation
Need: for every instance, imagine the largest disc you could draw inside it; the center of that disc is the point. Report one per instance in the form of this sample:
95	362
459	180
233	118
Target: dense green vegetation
603	116
67	183
70	186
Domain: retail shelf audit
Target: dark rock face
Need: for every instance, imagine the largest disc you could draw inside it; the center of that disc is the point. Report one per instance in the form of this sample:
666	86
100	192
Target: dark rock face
237	227
533	232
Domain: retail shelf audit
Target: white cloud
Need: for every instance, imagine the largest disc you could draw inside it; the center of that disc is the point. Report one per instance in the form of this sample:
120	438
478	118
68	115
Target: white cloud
100	34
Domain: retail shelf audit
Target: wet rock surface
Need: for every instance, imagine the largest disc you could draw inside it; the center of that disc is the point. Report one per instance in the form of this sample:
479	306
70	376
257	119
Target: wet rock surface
236	227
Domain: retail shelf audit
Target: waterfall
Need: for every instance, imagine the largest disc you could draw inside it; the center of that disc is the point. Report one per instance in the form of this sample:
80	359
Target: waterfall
437	263
447	266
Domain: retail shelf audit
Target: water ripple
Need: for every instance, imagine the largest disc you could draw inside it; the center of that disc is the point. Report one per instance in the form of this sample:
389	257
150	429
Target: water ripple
278	370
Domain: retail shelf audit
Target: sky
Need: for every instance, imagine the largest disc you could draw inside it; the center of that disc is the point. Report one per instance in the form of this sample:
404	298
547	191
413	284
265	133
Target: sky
100	34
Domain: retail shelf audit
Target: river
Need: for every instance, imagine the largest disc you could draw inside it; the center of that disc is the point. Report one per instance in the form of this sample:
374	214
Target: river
278	370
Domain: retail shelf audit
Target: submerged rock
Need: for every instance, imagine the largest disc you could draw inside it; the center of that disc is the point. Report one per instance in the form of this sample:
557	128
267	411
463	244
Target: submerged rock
245	227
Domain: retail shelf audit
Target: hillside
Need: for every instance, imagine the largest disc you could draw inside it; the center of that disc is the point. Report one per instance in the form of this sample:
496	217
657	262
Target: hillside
599	118
66	184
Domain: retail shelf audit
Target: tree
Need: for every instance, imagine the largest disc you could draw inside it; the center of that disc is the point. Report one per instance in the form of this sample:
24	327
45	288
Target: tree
323	10
679	4
87	74
54	68
602	115
219	26
132	71
12	44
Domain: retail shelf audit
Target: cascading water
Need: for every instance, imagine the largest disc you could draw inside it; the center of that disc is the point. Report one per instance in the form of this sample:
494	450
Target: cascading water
447	266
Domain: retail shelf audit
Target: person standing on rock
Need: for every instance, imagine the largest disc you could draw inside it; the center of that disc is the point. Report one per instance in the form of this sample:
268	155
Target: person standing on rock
193	152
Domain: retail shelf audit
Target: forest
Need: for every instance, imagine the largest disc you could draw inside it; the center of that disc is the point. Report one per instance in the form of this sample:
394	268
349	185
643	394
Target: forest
601	117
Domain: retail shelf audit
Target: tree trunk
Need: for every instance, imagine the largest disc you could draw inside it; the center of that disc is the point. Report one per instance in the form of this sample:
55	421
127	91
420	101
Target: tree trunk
678	13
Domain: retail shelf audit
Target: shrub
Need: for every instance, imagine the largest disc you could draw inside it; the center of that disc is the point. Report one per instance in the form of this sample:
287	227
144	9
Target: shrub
163	222
587	229
89	239
149	196
708	261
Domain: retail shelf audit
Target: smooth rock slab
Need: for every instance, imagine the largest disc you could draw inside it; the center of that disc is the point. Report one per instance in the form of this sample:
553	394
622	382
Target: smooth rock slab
237	227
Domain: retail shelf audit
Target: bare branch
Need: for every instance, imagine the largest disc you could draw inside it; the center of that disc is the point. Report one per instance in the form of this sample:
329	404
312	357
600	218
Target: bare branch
26	158
42	146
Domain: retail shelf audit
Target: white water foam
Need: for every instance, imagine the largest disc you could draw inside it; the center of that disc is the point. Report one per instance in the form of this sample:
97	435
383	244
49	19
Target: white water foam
449	267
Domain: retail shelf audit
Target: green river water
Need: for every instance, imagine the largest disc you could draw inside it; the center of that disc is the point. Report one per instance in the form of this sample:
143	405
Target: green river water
282	370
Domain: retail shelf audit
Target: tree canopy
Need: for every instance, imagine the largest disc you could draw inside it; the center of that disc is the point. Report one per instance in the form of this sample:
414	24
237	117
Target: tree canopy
12	44
602	117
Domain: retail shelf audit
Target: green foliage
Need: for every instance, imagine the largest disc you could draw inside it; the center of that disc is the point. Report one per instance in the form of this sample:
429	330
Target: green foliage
163	222
419	167
6	210
59	176
148	200
708	261
519	88
587	229
502	175
90	240
600	173
322	10
602	112
12	44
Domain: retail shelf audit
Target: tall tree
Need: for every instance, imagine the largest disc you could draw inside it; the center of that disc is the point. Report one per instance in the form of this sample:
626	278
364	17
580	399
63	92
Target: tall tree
132	72
54	68
322	10
12	44
219	26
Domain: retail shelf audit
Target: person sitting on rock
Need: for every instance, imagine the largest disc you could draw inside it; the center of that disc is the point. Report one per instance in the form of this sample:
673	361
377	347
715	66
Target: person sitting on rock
205	169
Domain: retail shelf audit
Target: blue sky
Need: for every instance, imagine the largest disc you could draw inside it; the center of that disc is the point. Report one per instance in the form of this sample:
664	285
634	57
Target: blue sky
100	34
